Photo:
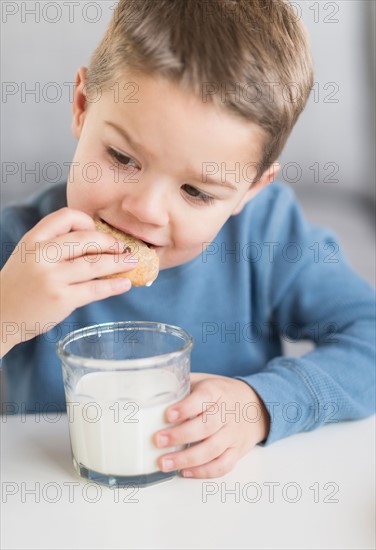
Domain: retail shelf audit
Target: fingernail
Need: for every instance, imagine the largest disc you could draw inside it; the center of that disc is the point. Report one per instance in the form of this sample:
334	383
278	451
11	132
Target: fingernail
168	464
162	440
173	415
187	473
121	282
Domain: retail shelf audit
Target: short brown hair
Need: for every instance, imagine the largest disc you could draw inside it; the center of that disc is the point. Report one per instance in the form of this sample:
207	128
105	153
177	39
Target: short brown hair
219	50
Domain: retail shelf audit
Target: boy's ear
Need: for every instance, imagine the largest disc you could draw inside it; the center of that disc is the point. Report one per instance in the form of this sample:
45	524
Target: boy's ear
79	106
267	177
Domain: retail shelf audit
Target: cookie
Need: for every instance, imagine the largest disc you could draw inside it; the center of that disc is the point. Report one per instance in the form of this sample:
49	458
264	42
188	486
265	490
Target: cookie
147	268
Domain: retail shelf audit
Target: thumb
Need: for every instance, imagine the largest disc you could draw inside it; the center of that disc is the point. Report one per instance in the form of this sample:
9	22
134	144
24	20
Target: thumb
198	376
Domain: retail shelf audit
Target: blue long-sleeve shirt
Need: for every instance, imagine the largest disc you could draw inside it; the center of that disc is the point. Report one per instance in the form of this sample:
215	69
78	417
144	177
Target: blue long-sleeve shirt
268	275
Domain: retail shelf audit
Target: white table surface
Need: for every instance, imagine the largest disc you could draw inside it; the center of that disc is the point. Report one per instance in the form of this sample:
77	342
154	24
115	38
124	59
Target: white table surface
337	461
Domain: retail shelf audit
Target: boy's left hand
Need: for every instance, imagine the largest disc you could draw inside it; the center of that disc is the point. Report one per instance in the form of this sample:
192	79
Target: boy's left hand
224	416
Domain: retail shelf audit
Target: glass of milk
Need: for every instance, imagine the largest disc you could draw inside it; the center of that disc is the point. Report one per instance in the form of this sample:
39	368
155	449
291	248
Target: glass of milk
119	379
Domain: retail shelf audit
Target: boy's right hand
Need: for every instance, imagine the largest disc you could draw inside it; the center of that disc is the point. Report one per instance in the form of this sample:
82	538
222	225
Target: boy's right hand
53	270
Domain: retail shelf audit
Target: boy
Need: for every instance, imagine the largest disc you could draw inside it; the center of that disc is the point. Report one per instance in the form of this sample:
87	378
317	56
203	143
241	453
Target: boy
163	101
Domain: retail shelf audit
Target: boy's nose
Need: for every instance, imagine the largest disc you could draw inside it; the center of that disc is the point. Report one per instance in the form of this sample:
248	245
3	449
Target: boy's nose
147	201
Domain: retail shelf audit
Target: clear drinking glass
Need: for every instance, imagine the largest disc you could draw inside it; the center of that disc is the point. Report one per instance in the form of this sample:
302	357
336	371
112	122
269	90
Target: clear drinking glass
119	378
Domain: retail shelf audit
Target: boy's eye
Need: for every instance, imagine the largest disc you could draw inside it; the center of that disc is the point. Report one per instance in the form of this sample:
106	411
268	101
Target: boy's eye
121	159
197	195
194	194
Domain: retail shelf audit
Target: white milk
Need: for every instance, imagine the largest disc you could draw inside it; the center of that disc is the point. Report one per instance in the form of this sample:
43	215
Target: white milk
113	416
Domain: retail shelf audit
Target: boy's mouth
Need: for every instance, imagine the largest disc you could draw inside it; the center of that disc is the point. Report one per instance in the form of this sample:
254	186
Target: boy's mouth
148	244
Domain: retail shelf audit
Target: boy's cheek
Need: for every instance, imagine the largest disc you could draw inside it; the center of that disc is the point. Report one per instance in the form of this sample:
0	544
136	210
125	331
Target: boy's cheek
79	201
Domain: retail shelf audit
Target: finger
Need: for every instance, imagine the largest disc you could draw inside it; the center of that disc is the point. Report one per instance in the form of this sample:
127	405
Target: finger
93	291
198	454
215	468
189	431
61	222
198	376
88	268
81	243
202	399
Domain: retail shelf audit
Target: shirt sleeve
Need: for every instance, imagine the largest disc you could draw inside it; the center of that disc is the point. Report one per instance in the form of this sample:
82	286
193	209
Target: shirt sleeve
314	294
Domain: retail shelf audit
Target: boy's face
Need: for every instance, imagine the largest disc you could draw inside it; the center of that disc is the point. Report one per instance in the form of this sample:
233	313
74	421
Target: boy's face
153	185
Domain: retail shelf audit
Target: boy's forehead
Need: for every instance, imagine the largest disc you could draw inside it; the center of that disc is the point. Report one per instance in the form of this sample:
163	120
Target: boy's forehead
151	110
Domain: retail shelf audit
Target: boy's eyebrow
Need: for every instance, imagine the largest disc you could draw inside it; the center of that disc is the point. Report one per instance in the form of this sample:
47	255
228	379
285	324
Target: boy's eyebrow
125	135
136	145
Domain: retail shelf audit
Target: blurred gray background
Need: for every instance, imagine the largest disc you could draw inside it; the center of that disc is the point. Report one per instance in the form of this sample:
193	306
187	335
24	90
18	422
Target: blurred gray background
329	158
